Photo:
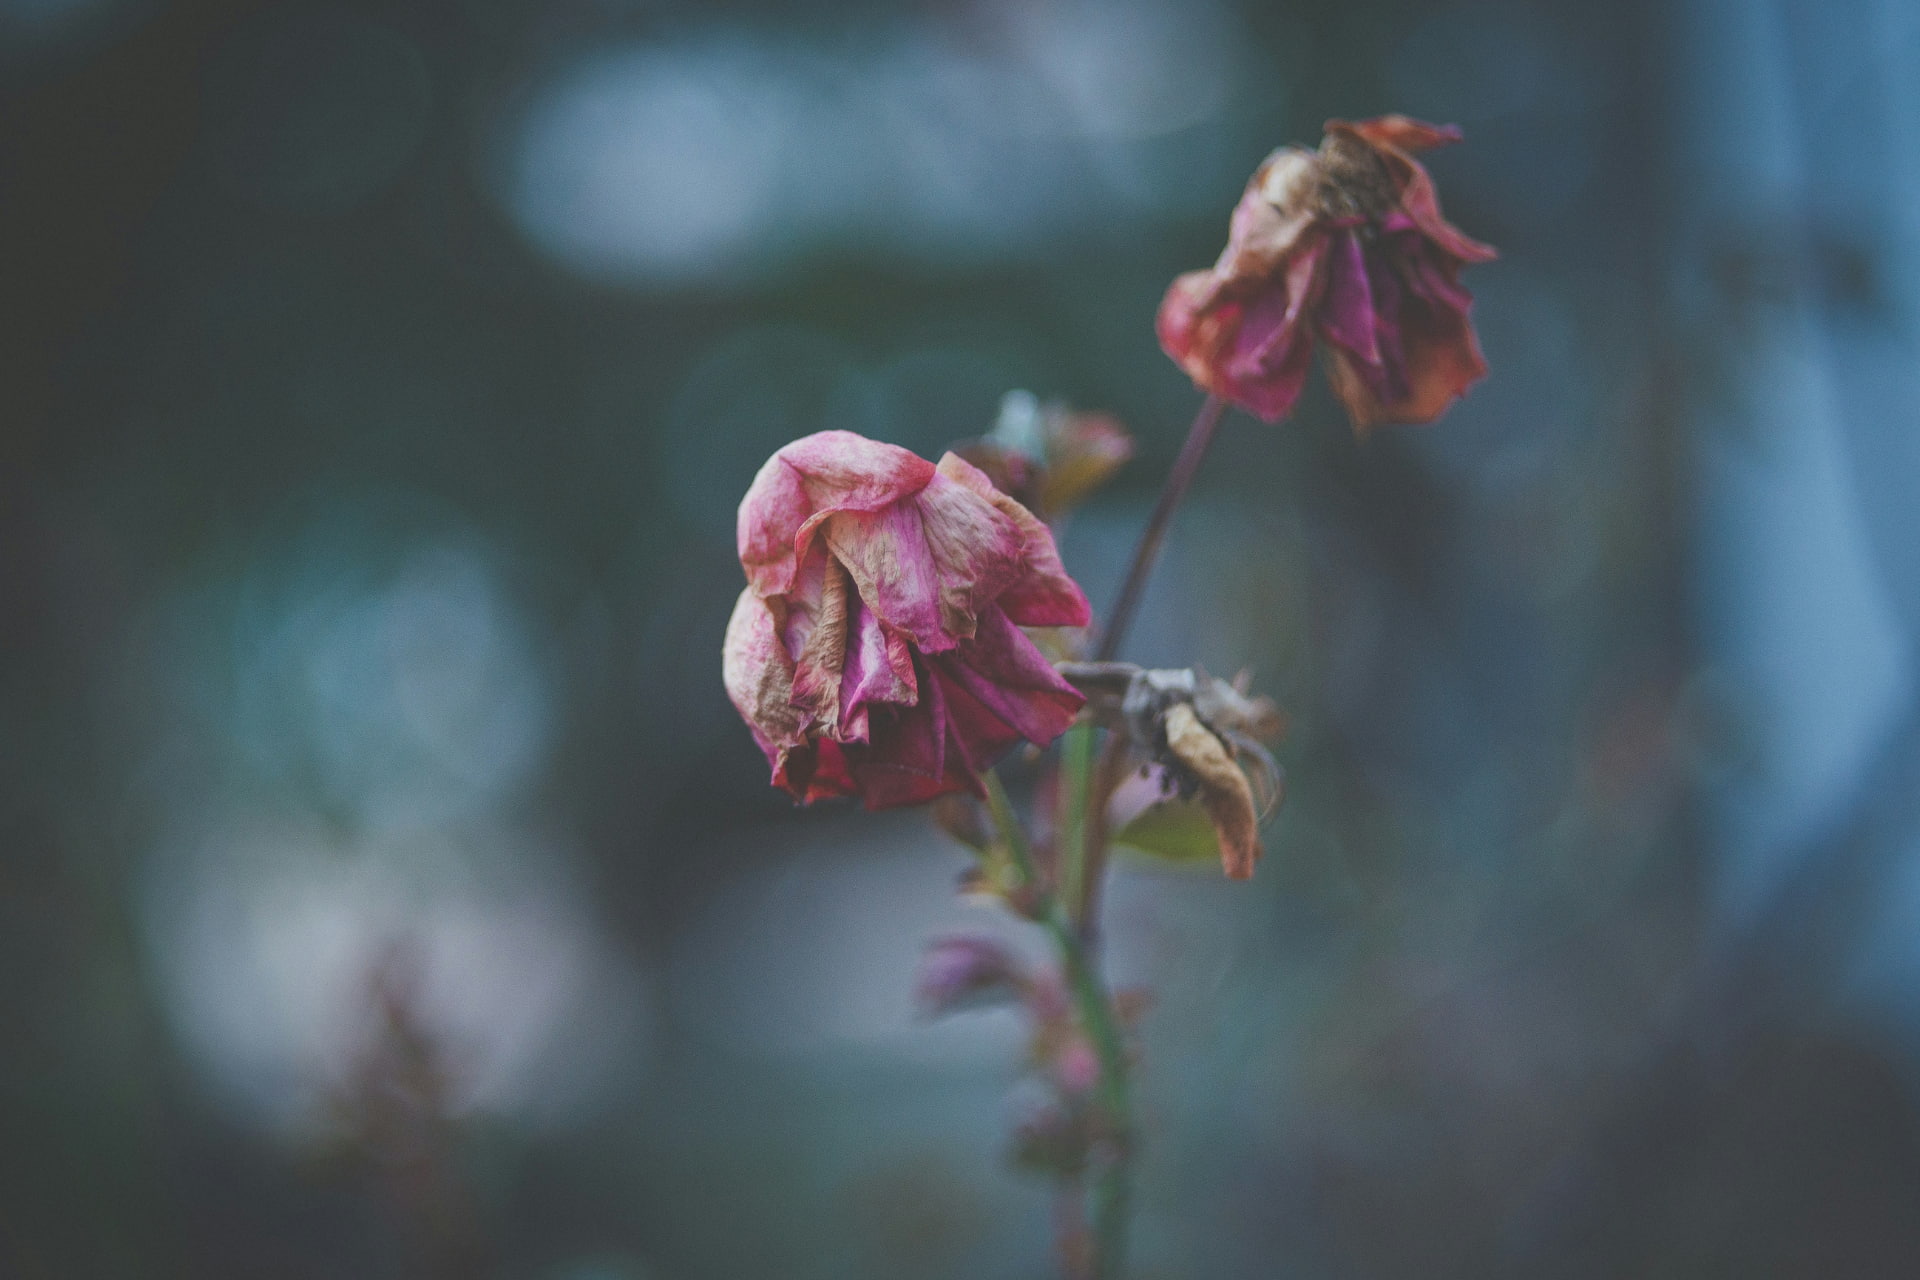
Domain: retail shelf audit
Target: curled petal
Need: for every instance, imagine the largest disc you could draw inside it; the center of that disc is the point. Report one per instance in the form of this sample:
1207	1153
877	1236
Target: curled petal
1224	791
1271	345
1042	595
929	565
818	771
759	679
1250	346
1347	318
1401	132
1395	138
1439	354
759	675
1013	680
809	480
1422	203
906	759
816	636
1183	322
1274	212
879	669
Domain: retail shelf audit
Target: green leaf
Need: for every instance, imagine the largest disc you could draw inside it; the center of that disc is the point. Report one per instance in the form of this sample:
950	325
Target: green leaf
1175	831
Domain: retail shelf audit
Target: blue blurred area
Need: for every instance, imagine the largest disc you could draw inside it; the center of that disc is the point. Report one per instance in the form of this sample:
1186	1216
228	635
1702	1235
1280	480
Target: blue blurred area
388	888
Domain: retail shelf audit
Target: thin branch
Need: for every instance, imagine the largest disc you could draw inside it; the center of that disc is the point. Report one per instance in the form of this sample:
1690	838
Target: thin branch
1185	467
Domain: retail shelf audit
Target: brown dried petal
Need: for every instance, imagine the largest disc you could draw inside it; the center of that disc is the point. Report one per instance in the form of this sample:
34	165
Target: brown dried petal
1227	707
1224	790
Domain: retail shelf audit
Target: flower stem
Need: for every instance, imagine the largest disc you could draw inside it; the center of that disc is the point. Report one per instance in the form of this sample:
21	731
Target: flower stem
1076	802
1113	1182
1067	910
1147	550
1099	1019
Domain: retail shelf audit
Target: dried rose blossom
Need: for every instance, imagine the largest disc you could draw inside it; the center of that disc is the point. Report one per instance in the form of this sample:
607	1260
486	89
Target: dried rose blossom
1345	245
877	649
1195	731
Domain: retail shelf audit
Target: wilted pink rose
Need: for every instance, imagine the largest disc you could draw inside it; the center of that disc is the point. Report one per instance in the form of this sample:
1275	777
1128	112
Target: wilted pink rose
1344	245
877	649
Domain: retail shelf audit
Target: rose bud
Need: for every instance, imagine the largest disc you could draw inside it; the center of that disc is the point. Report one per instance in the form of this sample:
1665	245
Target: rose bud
877	649
1047	457
965	971
1346	246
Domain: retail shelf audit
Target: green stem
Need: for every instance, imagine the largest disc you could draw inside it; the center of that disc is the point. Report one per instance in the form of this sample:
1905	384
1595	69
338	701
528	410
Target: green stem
1076	790
1113	1179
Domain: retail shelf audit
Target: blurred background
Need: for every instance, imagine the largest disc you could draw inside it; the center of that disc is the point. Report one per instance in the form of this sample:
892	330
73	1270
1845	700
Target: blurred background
387	888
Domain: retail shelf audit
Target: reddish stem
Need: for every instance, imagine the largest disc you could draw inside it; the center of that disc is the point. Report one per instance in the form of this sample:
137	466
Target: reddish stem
1185	467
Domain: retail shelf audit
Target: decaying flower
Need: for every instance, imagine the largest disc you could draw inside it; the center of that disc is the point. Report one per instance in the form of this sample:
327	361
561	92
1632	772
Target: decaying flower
1345	246
967	971
1046	456
1197	731
877	650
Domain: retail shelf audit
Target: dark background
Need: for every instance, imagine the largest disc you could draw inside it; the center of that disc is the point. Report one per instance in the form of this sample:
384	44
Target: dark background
387	889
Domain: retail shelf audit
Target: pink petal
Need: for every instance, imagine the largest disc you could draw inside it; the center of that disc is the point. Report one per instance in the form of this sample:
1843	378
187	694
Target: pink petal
1403	132
759	675
1388	338
1347	315
974	732
1395	138
1189	300
905	762
1422	204
1274	212
1441	354
928	565
1042	595
1013	681
817	772
1430	276
1271	348
759	679
872	674
808	480
815	635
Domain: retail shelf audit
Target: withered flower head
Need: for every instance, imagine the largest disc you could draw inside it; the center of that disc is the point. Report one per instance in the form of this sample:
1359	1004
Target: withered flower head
1197	730
1049	458
1345	246
877	649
